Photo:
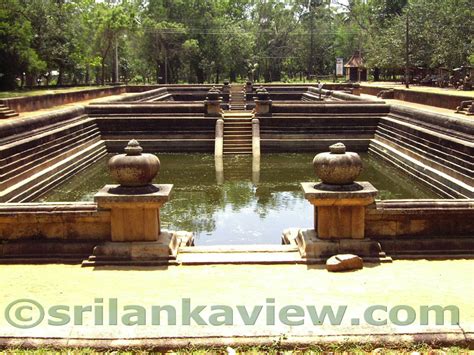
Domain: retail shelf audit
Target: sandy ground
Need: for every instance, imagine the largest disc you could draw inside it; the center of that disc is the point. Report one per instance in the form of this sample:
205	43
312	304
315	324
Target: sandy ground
442	111
411	283
59	107
445	91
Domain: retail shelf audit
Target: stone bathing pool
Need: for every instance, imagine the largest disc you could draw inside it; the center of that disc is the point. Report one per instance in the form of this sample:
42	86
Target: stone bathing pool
238	205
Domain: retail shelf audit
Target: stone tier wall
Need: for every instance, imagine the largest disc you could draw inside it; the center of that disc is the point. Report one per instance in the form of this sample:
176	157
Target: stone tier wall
424	98
437	149
137	109
159	134
420	218
298	127
51	231
33	103
39	153
409	228
142	96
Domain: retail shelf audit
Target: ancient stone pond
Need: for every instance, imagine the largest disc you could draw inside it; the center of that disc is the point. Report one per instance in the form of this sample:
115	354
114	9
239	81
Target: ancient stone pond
249	192
238	205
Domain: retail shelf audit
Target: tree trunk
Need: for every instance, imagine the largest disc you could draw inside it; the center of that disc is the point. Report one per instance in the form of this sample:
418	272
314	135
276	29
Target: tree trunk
200	75
60	77
376	74
8	81
87	75
102	76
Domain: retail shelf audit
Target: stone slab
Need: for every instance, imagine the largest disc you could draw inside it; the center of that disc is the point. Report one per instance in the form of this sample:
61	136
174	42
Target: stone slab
312	247
387	284
363	196
132	253
105	199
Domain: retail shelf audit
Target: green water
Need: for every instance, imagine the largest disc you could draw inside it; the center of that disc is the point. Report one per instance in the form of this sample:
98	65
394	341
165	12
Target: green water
239	206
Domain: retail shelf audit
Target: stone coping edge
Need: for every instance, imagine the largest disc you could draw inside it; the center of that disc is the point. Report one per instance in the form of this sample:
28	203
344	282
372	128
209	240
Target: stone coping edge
467	204
441	338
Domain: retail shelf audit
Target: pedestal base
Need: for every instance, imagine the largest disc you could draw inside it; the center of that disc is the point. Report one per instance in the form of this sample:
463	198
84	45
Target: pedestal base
315	250
213	107
263	107
340	213
160	252
133	217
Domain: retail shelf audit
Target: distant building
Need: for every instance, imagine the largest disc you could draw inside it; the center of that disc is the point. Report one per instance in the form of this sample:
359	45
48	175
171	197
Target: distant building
355	68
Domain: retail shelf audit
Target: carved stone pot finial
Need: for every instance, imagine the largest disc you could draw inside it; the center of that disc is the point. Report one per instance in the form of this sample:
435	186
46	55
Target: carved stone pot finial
134	169
337	168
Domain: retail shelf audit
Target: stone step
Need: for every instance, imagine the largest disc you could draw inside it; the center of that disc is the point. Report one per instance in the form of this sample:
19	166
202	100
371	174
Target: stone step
35	184
43	163
444	184
43	139
237	133
54	126
14	152
241	127
23	162
246	123
30	160
240	115
60	177
237	149
9	115
241	136
233	144
7	112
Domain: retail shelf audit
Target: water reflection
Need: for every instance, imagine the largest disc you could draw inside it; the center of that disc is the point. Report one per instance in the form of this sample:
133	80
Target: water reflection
237	199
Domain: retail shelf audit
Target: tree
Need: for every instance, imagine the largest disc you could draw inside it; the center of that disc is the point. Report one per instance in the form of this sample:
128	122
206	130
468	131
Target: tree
16	36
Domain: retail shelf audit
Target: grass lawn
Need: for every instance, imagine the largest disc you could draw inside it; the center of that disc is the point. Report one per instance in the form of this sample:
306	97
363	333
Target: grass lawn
336	349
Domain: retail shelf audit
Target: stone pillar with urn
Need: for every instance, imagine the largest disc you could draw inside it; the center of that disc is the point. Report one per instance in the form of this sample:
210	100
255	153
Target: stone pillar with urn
263	104
136	236
213	102
339	209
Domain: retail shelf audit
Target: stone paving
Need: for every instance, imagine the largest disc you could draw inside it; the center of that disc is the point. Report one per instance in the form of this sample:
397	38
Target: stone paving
411	283
429	89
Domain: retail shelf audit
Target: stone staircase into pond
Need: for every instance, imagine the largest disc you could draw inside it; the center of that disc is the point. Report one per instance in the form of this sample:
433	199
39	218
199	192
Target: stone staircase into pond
6	112
237	98
238	132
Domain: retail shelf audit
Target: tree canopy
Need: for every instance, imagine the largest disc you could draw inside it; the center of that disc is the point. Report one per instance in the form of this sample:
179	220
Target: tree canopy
168	41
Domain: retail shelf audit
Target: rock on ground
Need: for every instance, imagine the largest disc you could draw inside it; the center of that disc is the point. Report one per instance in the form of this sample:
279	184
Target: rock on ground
344	262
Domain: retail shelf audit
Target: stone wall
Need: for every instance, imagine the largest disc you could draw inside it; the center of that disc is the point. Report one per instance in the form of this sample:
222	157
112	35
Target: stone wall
420	218
425	98
299	126
159	127
437	149
37	154
69	231
32	103
52	230
142	96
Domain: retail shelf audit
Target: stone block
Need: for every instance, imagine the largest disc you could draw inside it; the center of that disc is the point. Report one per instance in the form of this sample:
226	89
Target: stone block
134	217
340	214
289	236
312	247
344	262
165	248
